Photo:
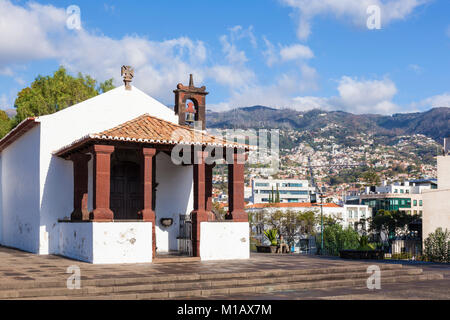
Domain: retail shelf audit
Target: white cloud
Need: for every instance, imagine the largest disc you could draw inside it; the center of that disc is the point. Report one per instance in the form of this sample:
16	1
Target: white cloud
233	55
35	32
416	68
353	11
279	94
4	102
366	96
270	53
355	96
26	32
238	33
296	52
437	101
231	76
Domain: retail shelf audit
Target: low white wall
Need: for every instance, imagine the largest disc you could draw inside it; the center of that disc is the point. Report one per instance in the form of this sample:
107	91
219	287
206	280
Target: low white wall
224	240
106	243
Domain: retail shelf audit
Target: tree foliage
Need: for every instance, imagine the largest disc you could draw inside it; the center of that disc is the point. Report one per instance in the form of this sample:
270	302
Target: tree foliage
394	223
437	246
292	223
5	123
49	94
337	238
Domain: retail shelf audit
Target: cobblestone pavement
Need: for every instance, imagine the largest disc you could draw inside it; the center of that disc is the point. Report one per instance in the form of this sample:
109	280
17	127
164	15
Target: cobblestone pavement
18	265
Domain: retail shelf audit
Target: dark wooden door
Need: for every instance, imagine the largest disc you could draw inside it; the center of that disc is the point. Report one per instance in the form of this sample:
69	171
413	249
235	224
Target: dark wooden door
126	193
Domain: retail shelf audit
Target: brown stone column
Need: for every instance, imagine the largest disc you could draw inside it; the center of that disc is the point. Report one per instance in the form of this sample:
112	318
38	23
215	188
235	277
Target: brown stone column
236	204
80	186
102	183
208	190
199	214
147	214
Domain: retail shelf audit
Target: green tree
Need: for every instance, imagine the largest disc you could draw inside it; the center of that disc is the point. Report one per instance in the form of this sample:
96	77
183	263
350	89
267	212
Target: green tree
394	223
5	123
50	94
371	177
336	238
437	246
308	221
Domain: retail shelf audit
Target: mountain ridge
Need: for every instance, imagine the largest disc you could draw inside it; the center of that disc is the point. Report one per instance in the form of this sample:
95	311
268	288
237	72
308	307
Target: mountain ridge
434	123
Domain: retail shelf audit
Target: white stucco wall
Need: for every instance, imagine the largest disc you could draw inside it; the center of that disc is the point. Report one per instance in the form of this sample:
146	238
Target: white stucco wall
20	192
436	203
443	172
224	240
107	243
1	201
62	128
436	211
174	196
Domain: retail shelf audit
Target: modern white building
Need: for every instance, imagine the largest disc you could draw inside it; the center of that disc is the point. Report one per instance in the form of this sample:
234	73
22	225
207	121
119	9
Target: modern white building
290	191
98	182
357	216
404	196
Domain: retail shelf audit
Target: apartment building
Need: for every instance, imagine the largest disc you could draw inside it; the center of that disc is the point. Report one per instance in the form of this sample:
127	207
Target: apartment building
404	196
290	191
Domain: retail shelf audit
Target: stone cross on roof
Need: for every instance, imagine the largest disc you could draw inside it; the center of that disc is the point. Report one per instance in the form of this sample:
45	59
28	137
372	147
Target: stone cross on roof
127	73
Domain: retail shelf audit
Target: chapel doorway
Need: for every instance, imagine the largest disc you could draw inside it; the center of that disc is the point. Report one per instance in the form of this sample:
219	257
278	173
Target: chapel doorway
126	194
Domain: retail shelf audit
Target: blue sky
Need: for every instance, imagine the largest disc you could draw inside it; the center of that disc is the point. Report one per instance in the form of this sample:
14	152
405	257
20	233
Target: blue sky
281	53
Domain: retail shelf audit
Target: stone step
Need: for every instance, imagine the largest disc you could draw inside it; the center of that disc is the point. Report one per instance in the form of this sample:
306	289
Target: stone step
161	288
221	291
175	259
112	280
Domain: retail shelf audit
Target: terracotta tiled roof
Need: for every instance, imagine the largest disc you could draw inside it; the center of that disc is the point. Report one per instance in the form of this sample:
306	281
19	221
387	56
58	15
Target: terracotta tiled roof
149	129
291	205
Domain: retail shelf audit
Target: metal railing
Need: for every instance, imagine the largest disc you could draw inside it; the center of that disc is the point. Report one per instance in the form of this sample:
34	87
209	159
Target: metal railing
185	236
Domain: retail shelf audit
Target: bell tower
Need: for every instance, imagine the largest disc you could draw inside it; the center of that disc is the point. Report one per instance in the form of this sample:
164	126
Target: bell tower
195	109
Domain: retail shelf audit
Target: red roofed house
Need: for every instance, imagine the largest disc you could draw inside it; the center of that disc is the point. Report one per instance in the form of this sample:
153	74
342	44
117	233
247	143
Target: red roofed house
116	179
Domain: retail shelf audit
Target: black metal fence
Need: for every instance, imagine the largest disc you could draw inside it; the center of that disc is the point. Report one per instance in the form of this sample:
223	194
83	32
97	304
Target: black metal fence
185	236
408	249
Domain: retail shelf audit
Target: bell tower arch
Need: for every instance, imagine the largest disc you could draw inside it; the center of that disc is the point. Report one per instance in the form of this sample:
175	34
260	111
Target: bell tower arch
194	95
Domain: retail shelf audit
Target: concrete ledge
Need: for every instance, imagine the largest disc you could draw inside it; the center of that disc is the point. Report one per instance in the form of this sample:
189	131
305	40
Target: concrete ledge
224	241
106	242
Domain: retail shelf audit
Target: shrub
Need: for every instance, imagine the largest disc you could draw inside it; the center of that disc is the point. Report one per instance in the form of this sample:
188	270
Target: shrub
402	256
271	235
437	246
336	238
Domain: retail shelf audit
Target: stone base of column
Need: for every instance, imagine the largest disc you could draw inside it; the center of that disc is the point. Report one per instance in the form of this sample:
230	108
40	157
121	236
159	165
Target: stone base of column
197	217
148	215
80	215
101	215
237	216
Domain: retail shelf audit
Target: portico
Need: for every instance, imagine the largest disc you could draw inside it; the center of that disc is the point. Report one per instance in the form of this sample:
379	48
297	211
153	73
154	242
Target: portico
124	170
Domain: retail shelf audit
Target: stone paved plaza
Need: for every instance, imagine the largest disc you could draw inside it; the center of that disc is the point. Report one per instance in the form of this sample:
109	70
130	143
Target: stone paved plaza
21	266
